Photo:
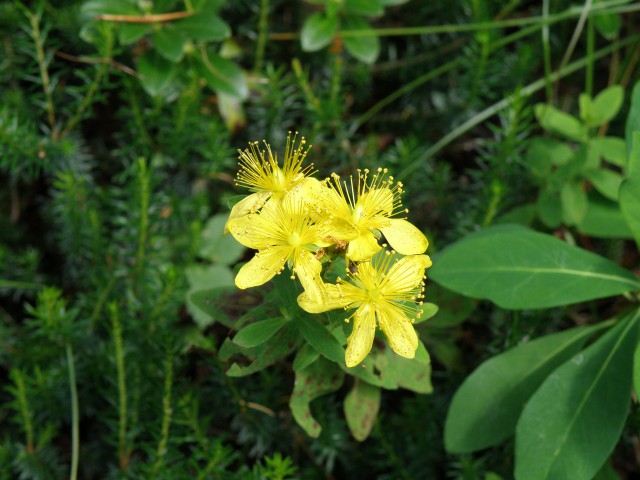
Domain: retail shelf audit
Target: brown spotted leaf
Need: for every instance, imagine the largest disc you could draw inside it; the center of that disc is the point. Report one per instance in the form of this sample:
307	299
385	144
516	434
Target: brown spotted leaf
361	409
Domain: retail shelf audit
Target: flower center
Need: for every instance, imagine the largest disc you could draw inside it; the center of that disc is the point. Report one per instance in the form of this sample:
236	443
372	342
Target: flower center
279	179
294	239
358	213
375	294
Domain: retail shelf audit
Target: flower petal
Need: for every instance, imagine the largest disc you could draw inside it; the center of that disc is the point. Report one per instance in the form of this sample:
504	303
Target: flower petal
405	275
250	204
360	341
377	201
262	267
335	296
363	248
254	230
336	230
308	268
399	331
404	237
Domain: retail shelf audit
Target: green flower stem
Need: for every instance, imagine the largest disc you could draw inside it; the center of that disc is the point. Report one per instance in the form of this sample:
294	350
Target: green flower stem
75	414
576	34
123	451
167	414
104	295
546	48
591	40
261	43
144	181
24	408
502	104
18	284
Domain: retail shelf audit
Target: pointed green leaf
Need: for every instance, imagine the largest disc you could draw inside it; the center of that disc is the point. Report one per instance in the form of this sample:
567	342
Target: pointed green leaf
605	181
257	333
604	219
612	149
572	423
318	31
633	119
306	356
630	190
518	268
320	338
557	121
156	72
607	104
549	207
574	203
224	76
586	108
205	26
361	407
369	8
485	409
318	379
545	152
169	43
364	48
608	25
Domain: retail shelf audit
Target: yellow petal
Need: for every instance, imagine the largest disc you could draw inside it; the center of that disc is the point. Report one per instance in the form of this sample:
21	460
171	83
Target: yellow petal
308	268
406	274
404	237
253	230
378	200
335	231
250	204
363	248
399	331
307	190
335	296
262	267
360	341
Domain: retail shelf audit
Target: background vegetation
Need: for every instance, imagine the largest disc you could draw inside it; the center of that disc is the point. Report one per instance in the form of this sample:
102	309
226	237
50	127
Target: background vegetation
119	125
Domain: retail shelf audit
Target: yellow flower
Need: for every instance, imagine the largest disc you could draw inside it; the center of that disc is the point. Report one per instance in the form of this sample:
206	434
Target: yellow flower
284	233
259	172
370	206
385	293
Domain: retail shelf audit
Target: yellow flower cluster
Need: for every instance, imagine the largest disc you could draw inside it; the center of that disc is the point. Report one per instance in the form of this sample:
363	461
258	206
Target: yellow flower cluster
294	220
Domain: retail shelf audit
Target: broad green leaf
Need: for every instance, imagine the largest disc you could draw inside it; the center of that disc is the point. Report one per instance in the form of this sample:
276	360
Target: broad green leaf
259	332
571	424
205	26
453	308
203	306
545	152
549	207
636	370
604	219
93	8
633	119
306	356
608	25
607	104
428	310
169	43
586	108
369	8
287	292
630	190
224	76
557	121
361	407
485	409
607	472
393	3
262	356
518	268
129	33
574	202
319	378
215	246
156	72
413	374
317	31
612	149
522	215
364	48
320	338
605	181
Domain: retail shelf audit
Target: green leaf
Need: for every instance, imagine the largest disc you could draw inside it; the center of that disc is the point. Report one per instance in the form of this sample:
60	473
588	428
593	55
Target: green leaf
361	407
224	76
317	379
480	417
259	332
608	24
217	247
633	119
549	208
204	26
156	72
413	374
370	8
262	356
574	202
630	190
206	283
393	3
129	33
545	152
428	310
518	268
572	423
557	121
604	219
320	338
586	108
453	308
169	43
306	356
364	48
318	31
93	8
607	472
612	149
605	181
607	104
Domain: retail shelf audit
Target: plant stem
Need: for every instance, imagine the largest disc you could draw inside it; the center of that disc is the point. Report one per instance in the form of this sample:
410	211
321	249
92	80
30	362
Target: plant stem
123	452
101	301
586	9
496	107
24	408
261	43
75	414
591	40
143	179
546	48
167	413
